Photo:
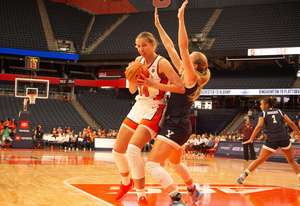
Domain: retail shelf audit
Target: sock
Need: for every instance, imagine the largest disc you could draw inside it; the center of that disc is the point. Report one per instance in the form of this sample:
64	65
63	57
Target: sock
173	193
140	193
191	187
247	172
299	176
125	180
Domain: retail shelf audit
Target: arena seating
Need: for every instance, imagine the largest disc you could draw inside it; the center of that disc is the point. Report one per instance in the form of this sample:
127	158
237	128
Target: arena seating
21	25
47	113
104	107
259	78
68	23
257	26
101	24
143	21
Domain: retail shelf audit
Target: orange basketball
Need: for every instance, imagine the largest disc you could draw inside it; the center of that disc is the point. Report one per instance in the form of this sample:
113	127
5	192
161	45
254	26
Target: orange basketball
134	70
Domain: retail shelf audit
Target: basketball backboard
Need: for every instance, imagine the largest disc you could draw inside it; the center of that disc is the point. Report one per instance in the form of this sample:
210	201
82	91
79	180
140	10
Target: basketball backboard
24	87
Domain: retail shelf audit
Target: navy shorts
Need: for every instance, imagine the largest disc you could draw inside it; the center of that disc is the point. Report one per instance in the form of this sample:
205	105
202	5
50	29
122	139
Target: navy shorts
273	146
175	133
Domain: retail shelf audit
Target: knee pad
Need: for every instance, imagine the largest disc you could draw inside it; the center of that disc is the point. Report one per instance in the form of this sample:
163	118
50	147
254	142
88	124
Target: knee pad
121	161
135	161
182	170
159	174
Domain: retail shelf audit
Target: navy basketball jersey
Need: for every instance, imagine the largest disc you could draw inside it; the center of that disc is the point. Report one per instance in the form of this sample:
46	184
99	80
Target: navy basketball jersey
274	122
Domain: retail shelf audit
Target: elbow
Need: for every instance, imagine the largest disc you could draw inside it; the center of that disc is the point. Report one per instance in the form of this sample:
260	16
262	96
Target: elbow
181	89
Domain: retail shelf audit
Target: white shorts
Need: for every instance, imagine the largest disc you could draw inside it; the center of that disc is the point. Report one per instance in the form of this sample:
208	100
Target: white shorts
147	113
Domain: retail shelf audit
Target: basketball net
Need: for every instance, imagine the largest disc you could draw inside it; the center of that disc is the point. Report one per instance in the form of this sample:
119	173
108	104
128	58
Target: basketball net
31	98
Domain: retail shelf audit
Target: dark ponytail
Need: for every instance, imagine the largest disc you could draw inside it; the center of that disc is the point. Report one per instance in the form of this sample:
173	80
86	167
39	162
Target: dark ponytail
271	101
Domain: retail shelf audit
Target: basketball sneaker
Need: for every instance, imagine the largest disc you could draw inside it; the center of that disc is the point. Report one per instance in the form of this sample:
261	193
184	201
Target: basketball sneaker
242	177
178	201
123	190
196	193
143	201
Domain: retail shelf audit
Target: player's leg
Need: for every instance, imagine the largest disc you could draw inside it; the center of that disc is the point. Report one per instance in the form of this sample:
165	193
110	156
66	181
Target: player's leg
120	157
265	153
159	153
288	153
139	139
183	171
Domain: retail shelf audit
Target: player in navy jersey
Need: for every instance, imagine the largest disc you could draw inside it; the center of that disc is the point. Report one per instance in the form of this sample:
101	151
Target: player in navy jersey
177	128
277	136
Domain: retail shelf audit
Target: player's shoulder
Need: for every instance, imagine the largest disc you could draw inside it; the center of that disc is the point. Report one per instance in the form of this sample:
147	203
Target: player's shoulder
138	59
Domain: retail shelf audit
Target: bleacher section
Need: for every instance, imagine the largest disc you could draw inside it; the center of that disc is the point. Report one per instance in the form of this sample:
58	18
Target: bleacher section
108	111
101	24
47	113
67	23
260	78
237	27
122	39
257	26
21	25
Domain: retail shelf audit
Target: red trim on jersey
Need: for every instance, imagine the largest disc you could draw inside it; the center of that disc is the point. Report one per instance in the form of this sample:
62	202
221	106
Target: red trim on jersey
161	92
130	123
154	122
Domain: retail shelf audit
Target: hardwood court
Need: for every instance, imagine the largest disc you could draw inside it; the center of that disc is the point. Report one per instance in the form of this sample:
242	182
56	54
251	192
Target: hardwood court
45	177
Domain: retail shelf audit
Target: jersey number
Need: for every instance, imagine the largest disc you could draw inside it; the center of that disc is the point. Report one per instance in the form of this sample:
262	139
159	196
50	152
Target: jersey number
144	90
274	119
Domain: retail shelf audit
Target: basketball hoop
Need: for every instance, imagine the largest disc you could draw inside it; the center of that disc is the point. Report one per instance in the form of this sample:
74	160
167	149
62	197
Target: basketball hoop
32	98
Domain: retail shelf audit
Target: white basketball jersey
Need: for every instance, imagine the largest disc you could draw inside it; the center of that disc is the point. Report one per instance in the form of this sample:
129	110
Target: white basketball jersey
149	93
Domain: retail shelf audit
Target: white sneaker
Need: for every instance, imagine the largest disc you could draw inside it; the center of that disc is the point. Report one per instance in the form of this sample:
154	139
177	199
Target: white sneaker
65	148
90	149
76	149
69	148
241	178
83	149
196	194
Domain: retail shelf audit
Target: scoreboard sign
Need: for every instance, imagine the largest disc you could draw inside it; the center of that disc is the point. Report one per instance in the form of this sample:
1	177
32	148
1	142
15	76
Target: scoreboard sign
66	81
32	63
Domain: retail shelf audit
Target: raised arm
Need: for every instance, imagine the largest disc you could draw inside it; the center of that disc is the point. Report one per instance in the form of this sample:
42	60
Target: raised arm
190	75
168	44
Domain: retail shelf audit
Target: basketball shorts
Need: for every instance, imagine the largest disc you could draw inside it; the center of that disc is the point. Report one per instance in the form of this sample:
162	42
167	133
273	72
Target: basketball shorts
175	133
147	113
272	146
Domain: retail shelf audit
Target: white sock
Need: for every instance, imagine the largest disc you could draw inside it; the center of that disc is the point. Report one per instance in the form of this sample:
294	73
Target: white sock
140	193
247	172
173	193
125	180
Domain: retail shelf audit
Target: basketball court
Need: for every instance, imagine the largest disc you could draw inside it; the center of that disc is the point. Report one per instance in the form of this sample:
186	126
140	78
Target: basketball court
58	177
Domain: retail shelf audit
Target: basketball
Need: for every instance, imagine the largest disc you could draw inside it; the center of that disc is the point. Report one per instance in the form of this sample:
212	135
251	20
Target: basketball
134	70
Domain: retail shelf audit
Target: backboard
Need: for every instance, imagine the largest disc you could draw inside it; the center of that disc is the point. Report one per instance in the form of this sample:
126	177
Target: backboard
24	87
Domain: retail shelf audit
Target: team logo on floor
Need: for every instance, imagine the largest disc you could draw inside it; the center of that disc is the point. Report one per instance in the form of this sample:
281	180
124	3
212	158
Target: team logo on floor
214	194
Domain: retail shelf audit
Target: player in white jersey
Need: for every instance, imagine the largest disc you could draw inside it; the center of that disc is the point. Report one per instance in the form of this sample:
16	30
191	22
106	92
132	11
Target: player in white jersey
145	118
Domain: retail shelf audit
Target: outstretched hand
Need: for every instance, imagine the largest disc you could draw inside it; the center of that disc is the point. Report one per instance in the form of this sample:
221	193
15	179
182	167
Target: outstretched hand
181	10
148	82
157	23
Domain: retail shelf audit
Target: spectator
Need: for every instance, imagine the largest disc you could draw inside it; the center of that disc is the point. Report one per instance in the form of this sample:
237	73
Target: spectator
87	141
64	99
210	144
89	130
54	133
5	134
73	142
262	136
203	141
39	136
114	134
246	116
59	130
91	89
250	114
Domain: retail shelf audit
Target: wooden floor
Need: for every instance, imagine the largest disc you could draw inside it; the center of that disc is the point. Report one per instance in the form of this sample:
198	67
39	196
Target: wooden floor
45	177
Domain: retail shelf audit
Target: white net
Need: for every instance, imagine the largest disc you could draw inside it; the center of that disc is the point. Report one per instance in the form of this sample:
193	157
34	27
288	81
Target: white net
32	98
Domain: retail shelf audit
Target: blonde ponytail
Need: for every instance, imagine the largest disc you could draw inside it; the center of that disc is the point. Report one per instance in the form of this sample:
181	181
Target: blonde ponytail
202	78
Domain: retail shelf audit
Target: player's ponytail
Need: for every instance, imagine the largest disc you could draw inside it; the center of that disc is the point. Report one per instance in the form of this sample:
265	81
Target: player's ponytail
271	101
202	73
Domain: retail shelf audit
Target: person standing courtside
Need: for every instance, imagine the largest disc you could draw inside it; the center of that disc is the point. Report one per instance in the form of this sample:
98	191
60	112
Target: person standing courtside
277	136
247	129
146	117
